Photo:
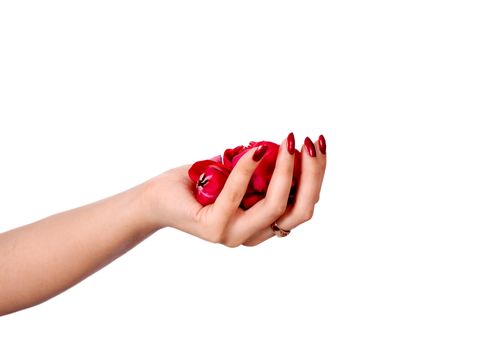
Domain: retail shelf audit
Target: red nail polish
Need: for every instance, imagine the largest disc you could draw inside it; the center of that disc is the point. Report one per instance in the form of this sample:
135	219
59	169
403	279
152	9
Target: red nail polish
310	147
291	143
259	153
322	144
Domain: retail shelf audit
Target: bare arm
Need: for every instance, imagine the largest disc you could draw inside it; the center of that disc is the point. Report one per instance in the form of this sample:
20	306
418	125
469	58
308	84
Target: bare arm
42	259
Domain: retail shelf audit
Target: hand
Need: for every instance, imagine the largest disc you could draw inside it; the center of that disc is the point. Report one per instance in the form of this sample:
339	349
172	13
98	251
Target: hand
46	257
173	204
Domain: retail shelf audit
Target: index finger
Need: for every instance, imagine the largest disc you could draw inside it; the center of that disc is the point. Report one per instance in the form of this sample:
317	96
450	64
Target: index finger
235	187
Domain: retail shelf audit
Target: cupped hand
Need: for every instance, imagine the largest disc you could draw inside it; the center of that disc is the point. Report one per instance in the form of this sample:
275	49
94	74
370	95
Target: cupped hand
172	202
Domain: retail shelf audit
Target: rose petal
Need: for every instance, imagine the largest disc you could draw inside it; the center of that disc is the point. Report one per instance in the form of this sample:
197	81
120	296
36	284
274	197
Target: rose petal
210	184
218	169
217	159
229	154
199	167
251	199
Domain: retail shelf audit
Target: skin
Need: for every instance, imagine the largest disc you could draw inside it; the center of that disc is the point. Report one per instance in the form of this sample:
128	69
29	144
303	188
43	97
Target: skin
42	259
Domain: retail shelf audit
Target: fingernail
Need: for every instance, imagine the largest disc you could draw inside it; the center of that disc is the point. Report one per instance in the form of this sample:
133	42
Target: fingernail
322	144
259	153
291	143
310	147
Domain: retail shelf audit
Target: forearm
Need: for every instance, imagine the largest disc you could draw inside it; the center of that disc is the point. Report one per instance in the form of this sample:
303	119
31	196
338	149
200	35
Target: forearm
42	259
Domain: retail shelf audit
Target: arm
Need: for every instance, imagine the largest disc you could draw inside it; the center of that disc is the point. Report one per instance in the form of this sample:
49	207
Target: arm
40	260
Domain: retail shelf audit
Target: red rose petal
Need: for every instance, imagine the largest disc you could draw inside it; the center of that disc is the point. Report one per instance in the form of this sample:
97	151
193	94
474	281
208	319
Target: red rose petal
217	170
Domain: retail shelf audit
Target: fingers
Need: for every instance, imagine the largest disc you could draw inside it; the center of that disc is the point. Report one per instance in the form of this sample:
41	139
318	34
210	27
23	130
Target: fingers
312	175
313	166
234	226
259	238
281	181
311	180
234	189
265	212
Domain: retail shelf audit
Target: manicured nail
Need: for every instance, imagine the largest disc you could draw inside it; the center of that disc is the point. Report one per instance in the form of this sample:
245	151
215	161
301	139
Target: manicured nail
322	144
291	143
310	147
259	153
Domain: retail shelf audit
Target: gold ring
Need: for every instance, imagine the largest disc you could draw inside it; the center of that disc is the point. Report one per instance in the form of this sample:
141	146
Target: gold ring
279	232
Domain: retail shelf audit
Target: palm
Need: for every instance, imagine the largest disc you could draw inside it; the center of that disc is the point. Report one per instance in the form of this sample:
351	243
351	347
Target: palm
185	212
178	187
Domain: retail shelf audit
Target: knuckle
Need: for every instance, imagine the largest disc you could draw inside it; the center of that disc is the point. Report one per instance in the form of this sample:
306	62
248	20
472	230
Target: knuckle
217	234
231	244
242	172
306	215
247	171
278	209
316	172
317	198
234	197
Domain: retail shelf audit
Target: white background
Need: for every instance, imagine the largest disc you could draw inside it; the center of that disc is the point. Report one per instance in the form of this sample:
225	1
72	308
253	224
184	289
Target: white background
98	96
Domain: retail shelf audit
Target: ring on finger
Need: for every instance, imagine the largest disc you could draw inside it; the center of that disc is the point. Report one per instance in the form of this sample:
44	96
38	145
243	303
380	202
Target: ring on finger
278	231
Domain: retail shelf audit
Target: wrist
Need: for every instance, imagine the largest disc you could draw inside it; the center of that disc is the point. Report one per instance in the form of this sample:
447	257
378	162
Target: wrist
149	205
137	212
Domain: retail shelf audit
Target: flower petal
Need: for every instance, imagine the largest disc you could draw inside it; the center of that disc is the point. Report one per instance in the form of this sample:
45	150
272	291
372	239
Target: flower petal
199	167
217	159
251	199
229	155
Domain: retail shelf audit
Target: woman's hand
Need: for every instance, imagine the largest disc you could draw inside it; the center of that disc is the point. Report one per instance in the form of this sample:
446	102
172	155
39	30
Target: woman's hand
172	202
46	257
